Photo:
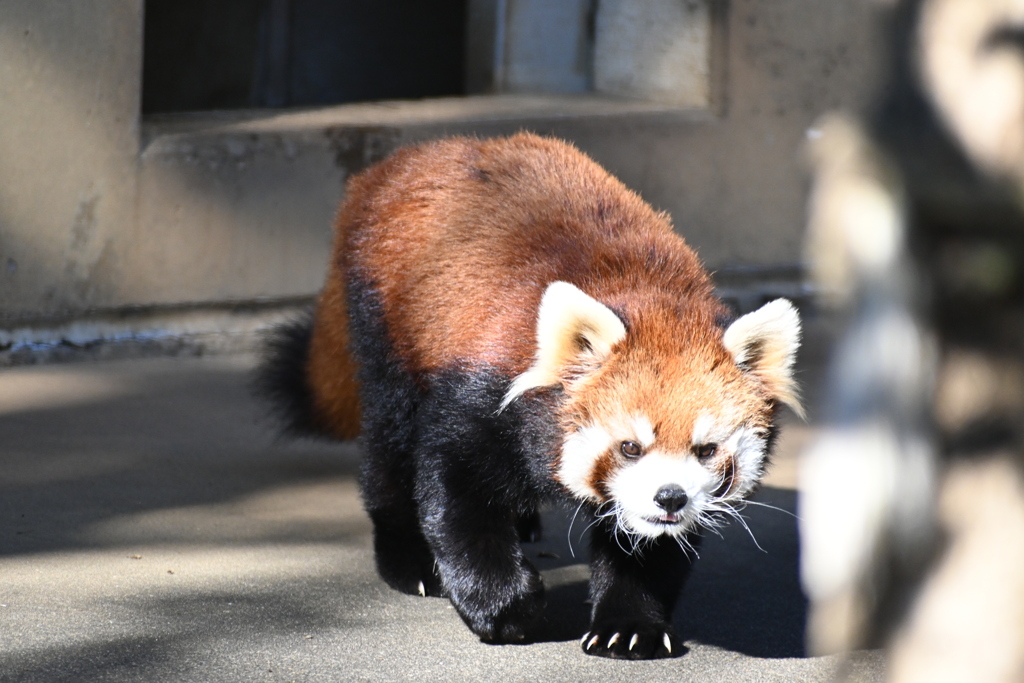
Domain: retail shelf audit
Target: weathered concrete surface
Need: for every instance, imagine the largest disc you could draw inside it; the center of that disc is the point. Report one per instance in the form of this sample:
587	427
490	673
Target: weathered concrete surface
95	214
659	50
69	124
233	216
147	332
153	528
546	47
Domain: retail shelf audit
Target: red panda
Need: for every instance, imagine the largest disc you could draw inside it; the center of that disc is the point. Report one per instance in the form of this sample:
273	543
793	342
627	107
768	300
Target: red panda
515	325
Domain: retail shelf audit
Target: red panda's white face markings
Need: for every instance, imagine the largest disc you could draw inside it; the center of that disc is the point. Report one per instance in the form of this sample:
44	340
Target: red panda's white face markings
700	412
590	453
580	453
635	490
740	451
664	489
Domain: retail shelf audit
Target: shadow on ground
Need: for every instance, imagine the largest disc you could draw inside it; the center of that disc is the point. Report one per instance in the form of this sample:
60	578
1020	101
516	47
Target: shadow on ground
158	530
744	594
156	435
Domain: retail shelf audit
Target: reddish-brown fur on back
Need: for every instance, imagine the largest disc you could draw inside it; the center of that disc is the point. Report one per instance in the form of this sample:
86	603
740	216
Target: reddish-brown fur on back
331	370
461	237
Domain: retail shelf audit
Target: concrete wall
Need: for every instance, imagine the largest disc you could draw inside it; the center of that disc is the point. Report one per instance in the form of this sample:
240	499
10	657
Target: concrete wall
657	50
100	211
69	127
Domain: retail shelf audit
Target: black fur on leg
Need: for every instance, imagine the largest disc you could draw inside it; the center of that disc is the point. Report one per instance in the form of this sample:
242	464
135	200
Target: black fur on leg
386	481
403	558
529	527
281	375
390	400
483	569
474	492
634	594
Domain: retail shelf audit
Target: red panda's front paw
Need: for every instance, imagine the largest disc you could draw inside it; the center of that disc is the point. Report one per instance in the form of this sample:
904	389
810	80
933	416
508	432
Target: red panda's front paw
632	641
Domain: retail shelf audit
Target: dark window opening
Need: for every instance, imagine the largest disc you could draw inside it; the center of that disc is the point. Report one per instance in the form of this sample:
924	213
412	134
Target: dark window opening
232	54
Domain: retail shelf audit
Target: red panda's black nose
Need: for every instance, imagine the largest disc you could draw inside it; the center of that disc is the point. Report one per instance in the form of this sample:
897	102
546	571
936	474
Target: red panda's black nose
671	498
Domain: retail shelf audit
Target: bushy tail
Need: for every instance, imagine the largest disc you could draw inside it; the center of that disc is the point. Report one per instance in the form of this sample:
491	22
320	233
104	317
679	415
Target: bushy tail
308	404
281	377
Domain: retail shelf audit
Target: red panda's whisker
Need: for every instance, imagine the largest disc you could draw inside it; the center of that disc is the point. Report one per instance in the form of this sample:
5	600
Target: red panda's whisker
711	522
743	522
686	546
568	534
770	507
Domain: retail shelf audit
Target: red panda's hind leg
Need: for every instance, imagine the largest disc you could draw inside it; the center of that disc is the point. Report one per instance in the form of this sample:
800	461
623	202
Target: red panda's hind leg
389	398
403	557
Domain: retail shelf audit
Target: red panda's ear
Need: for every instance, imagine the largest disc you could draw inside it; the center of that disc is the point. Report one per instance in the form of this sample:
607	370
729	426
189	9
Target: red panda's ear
572	329
765	343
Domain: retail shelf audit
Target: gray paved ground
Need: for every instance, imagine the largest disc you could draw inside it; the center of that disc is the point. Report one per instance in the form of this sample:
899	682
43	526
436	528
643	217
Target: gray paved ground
153	528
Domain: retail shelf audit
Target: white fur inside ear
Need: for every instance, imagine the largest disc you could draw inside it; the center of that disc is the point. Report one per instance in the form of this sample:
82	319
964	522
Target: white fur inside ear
566	317
765	343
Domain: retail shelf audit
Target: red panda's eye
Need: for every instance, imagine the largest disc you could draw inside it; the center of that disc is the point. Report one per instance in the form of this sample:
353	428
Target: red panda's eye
706	450
631	449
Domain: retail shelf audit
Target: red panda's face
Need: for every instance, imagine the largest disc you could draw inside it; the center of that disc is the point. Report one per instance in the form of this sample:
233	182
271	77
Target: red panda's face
664	448
665	423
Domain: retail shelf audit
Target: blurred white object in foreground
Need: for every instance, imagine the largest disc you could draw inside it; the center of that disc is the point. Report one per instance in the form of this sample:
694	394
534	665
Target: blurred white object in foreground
867	482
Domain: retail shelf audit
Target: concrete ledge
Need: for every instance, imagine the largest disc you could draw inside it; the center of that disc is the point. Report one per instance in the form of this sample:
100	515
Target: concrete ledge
152	331
162	129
